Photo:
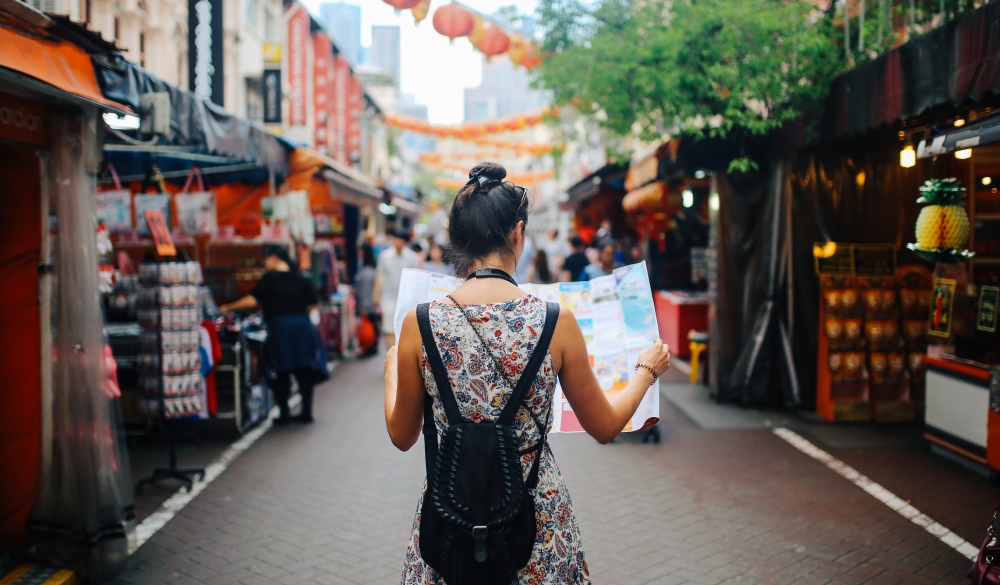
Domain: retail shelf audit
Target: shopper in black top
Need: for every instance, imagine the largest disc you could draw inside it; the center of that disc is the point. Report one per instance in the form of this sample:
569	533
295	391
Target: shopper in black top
575	262
293	345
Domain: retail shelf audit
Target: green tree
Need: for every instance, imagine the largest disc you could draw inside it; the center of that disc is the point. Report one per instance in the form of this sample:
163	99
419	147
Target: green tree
719	67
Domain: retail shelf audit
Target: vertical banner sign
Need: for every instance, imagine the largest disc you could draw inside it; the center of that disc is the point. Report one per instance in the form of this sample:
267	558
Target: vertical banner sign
343	70
272	96
298	40
322	88
205	51
355	98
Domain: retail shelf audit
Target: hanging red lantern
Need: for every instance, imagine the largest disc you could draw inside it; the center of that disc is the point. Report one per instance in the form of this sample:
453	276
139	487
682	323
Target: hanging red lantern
495	41
453	21
517	48
402	4
532	57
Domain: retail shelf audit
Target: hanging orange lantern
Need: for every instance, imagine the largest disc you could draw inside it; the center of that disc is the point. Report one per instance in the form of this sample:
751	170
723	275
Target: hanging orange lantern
453	21
516	50
420	11
495	41
532	57
476	36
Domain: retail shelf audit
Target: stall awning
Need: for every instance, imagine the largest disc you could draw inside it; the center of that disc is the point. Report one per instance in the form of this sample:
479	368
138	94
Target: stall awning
46	62
653	198
978	133
610	175
194	122
353	184
405	206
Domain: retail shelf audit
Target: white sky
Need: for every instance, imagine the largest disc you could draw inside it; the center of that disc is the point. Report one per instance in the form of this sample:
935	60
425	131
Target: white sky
432	70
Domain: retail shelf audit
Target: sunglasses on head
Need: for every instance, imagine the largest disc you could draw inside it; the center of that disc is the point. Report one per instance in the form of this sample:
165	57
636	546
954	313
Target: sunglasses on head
483	181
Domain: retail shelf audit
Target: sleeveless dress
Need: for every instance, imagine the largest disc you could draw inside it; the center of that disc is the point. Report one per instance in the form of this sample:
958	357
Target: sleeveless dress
511	329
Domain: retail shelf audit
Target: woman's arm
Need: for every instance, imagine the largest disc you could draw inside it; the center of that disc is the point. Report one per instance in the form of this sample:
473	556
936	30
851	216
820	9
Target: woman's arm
246	303
404	386
603	419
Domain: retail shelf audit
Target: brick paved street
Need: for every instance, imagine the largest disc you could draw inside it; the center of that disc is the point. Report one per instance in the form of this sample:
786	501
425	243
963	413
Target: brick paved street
332	503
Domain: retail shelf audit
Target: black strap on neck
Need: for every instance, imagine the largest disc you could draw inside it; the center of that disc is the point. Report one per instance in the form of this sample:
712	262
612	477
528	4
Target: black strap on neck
447	395
493	273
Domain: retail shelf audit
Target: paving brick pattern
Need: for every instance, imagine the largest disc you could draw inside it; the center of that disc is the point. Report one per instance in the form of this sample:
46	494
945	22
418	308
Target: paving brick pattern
332	504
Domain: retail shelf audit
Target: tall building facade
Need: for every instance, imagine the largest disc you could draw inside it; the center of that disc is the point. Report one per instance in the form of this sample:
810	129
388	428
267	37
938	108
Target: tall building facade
343	23
385	52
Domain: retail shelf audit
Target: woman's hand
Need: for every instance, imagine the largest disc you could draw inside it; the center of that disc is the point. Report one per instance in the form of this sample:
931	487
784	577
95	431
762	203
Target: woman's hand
656	357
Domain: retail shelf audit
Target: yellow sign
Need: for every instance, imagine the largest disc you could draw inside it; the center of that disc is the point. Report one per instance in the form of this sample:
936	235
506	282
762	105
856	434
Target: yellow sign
272	53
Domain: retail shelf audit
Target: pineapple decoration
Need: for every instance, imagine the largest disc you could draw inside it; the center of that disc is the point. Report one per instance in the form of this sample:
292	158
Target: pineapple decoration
943	226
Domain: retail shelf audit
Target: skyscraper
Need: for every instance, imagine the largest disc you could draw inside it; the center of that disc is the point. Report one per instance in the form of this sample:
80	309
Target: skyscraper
384	52
343	22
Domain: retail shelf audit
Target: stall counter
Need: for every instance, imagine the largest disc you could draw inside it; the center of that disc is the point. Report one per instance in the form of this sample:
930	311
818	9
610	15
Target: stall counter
679	313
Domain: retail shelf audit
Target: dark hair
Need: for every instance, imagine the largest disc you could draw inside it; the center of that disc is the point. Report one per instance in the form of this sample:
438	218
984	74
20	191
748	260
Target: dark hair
483	215
576	242
281	253
367	255
542	272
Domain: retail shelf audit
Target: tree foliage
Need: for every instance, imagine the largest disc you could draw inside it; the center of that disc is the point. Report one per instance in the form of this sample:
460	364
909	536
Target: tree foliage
720	67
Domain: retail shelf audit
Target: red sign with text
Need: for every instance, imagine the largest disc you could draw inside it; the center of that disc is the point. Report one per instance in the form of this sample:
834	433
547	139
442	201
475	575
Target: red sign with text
298	41
355	105
161	233
340	109
323	88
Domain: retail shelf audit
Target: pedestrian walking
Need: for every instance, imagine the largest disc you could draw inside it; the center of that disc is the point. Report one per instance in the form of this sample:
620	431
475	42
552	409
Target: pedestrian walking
556	248
606	262
541	270
525	262
485	332
575	262
293	346
435	260
364	290
389	270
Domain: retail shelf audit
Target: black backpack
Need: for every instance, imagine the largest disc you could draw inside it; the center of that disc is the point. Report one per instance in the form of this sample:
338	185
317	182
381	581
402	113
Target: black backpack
477	522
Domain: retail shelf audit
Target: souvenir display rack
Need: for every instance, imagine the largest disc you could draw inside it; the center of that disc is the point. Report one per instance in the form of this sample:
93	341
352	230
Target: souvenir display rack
872	344
169	364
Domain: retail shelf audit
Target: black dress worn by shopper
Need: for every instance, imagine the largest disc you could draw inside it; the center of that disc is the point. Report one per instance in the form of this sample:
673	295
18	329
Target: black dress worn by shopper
293	344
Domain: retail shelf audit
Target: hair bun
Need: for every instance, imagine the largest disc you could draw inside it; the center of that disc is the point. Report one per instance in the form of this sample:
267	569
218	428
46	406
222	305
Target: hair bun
490	170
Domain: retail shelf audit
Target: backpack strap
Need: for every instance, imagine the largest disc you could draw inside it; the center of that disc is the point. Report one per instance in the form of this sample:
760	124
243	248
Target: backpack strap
534	364
437	367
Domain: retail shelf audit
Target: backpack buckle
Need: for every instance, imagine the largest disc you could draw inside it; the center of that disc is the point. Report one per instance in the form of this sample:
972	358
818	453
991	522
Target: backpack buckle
479	543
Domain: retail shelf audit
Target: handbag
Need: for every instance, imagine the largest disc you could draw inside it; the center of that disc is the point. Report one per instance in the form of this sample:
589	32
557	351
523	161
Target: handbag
986	570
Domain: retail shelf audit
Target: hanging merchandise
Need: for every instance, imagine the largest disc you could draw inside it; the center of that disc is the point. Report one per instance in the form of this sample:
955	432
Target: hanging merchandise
943	226
453	21
143	203
420	11
196	212
114	207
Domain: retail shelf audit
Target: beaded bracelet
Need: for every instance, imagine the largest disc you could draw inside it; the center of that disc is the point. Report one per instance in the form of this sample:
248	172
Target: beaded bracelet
651	370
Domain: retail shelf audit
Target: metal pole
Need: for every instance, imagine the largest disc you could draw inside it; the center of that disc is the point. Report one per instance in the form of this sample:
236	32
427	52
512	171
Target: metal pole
861	29
847	30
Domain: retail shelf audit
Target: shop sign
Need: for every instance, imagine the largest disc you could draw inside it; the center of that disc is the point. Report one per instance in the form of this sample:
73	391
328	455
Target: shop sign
323	82
355	103
161	233
832	258
339	145
989	299
272	54
941	304
205	47
248	225
298	38
272	96
23	120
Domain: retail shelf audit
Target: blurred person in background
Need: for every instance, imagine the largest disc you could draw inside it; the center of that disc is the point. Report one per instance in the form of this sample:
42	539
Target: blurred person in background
435	261
541	272
525	262
293	346
556	249
574	264
389	270
604	265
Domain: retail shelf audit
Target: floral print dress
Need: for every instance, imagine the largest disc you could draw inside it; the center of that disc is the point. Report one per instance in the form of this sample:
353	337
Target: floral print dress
511	329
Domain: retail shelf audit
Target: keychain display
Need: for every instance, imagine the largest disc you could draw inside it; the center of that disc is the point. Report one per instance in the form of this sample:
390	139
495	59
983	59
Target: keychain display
169	363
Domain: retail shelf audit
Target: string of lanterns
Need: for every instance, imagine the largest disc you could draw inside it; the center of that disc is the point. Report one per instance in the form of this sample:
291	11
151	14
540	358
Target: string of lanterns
456	20
470	130
522	179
